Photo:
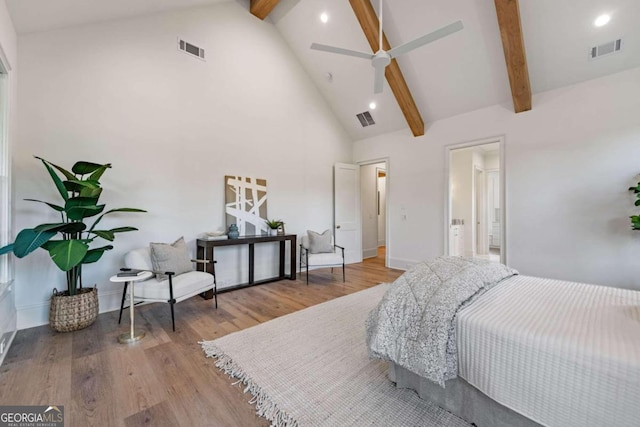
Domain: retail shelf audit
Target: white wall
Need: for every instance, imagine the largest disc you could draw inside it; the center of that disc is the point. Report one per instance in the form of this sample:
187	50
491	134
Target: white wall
569	163
172	126
8	48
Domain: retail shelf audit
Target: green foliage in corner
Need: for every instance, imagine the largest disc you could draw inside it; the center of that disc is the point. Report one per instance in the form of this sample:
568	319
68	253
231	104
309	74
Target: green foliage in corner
80	190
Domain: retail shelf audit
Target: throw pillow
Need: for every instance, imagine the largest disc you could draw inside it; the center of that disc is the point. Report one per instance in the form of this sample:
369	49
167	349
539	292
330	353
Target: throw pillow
320	243
170	257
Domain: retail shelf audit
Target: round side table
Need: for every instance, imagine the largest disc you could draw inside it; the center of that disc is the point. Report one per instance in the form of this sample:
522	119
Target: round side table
133	335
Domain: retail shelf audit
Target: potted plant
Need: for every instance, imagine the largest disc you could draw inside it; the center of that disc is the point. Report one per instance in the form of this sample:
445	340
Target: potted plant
273	225
80	189
635	219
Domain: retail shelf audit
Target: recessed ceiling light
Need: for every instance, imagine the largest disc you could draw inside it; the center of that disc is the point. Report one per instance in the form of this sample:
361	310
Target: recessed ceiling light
372	105
602	20
324	17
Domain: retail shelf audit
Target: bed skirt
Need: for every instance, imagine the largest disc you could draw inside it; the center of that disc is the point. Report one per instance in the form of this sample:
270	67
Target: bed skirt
460	398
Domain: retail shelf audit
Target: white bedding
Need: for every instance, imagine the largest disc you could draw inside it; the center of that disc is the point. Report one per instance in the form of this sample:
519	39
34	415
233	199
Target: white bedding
561	353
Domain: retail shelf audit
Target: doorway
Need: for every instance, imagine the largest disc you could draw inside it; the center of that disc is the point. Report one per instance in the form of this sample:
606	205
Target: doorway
374	200
475	210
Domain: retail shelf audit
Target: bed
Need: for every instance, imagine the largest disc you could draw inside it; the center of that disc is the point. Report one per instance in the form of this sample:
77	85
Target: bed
530	352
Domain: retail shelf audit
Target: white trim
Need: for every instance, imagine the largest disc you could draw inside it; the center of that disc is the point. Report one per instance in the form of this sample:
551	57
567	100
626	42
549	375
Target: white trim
500	140
402	263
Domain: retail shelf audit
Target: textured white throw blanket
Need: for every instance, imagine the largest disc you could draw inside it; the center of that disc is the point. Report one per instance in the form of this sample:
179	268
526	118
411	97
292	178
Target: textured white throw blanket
414	326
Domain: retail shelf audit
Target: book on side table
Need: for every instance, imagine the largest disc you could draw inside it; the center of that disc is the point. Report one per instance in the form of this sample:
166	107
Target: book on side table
131	272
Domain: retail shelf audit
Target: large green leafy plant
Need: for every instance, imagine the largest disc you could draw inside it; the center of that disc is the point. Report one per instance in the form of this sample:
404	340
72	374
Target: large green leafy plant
635	219
80	190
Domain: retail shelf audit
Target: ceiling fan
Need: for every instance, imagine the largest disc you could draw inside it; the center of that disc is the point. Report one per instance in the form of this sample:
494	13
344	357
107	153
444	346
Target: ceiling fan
382	58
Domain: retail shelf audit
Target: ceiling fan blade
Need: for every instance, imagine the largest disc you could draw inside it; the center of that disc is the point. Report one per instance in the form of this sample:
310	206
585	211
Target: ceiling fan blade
341	51
378	80
428	38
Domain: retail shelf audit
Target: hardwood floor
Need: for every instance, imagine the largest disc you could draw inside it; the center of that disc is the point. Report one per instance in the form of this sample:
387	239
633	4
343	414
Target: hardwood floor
165	379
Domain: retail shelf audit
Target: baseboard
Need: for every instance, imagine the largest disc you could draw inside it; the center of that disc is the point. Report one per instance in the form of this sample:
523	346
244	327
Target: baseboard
402	264
370	253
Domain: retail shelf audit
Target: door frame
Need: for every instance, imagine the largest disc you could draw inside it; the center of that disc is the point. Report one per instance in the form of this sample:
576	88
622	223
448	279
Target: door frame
480	234
500	140
387	167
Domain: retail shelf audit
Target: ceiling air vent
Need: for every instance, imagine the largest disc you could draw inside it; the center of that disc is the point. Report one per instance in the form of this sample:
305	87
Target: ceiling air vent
605	49
190	49
365	119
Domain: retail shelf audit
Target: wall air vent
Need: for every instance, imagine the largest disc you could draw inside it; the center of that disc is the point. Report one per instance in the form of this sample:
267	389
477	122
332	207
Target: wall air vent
605	49
190	49
365	119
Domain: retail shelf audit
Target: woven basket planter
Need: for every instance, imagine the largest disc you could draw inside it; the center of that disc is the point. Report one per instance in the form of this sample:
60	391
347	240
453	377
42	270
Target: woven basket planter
72	312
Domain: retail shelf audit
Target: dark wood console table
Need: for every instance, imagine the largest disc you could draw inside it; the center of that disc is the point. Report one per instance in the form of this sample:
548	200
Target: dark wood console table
205	251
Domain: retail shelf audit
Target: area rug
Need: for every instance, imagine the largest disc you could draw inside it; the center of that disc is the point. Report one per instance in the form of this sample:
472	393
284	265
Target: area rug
311	368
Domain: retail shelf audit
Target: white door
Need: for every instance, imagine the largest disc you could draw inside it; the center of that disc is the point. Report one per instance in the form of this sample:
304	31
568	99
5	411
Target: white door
346	204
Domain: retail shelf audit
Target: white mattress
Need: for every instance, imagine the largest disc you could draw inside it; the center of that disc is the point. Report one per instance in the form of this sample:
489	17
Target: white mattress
561	353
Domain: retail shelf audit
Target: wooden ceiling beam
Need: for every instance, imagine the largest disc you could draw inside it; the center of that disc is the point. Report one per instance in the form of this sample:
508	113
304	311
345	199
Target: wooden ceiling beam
262	8
370	26
508	13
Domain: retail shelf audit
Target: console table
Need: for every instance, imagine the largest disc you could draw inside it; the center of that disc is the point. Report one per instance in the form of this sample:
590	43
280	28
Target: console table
205	251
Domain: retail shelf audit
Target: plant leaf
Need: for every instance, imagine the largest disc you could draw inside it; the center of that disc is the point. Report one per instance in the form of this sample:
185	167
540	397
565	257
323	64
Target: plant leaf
62	227
83	168
66	254
91	192
51	205
94	255
29	240
81	212
97	174
6	249
105	234
78	208
65	172
56	179
123	229
114	210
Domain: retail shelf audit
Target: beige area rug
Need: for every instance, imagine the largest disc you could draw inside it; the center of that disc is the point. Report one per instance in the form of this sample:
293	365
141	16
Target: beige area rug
311	368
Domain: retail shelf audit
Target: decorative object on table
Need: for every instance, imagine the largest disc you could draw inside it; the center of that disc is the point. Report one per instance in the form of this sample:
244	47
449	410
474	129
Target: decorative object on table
280	229
214	235
635	219
233	231
246	204
80	189
273	226
130	272
319	250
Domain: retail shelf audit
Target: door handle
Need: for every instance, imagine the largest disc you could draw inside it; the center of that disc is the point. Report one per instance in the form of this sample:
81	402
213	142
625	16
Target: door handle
337	226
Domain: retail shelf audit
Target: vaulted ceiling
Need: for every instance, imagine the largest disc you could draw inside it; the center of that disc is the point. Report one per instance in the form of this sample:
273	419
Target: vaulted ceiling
457	74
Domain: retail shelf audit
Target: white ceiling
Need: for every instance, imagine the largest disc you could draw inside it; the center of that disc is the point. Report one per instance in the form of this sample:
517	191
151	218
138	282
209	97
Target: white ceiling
460	73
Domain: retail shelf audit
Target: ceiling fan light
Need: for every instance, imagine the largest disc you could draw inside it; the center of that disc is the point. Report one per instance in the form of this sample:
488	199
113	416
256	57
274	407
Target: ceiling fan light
602	20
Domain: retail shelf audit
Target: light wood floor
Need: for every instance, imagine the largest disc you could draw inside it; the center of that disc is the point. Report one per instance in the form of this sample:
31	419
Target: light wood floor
165	379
